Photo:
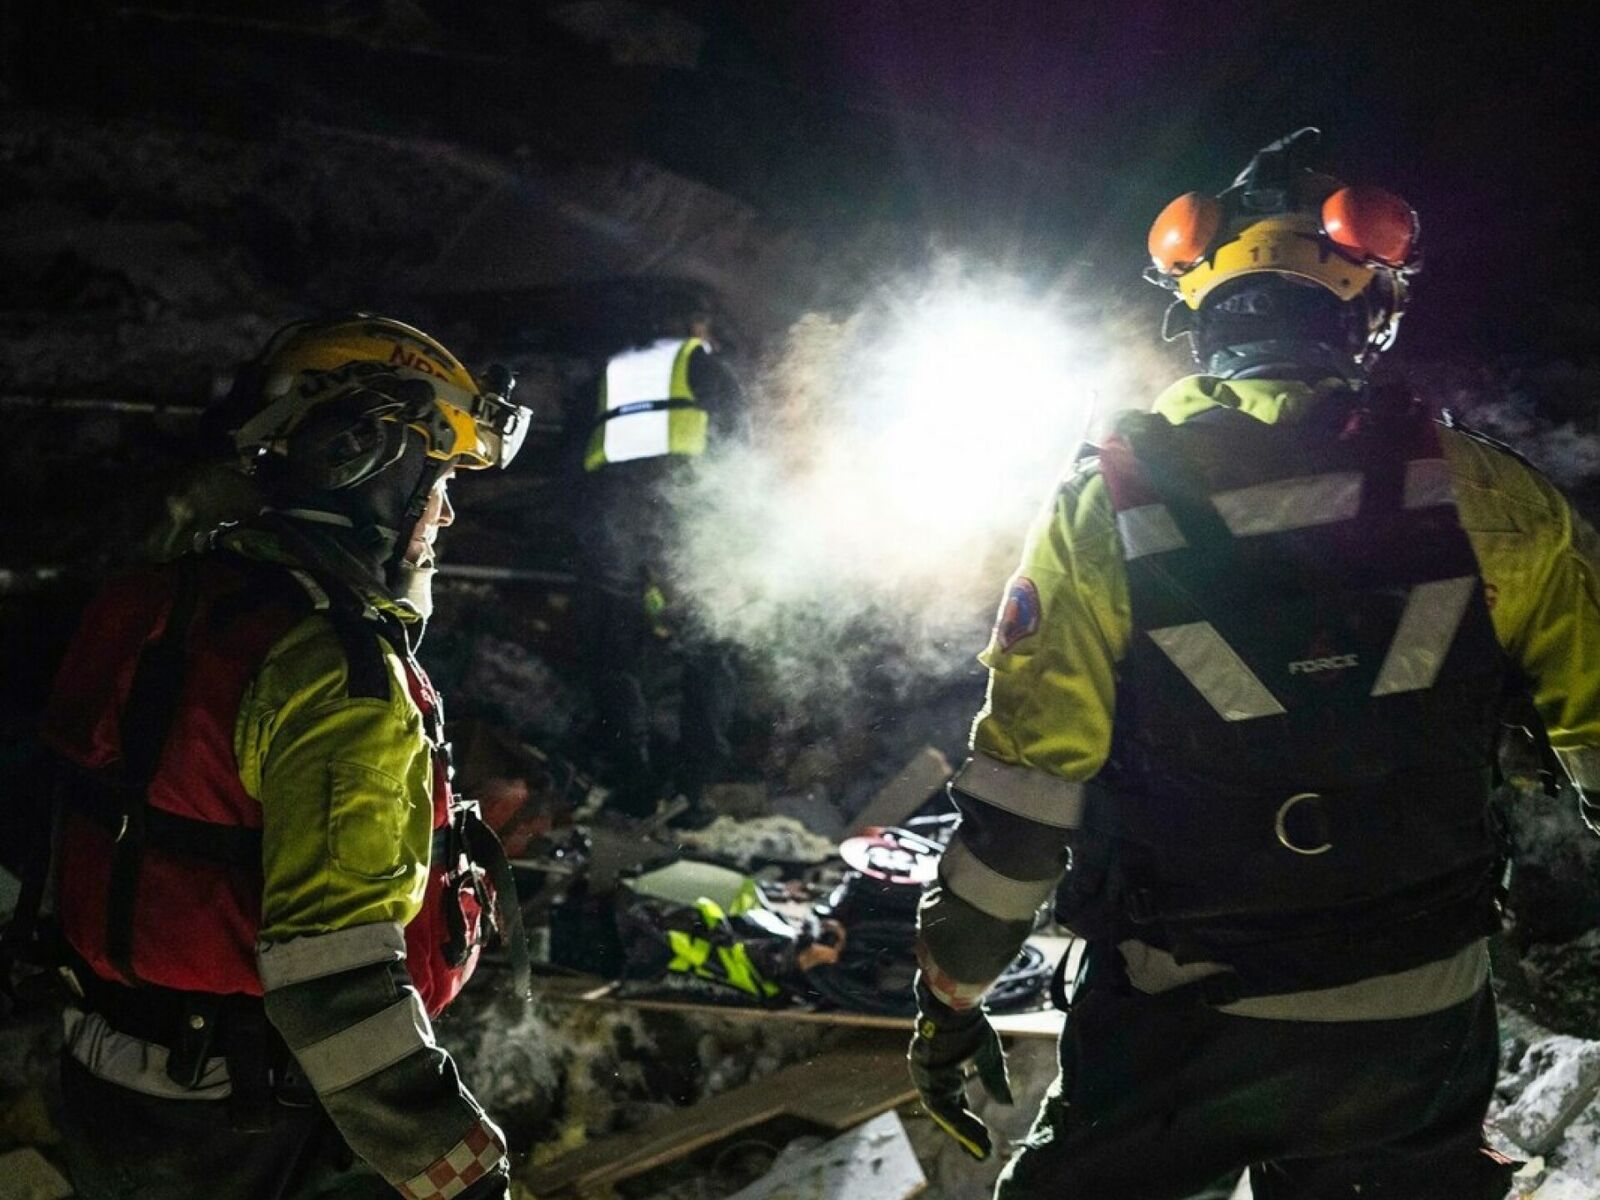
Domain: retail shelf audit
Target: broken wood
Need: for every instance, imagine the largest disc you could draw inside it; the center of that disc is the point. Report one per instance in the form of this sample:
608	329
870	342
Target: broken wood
873	1160
839	1089
902	796
1039	1023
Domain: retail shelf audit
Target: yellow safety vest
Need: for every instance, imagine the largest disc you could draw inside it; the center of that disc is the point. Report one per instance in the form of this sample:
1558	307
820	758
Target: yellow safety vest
647	408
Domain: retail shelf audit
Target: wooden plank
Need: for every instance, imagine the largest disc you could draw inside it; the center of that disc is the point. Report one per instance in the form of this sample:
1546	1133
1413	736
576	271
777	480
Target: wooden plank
857	1081
873	1160
1041	1023
908	791
839	1089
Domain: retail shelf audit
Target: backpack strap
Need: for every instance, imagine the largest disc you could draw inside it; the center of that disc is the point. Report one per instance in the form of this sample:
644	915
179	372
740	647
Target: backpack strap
147	718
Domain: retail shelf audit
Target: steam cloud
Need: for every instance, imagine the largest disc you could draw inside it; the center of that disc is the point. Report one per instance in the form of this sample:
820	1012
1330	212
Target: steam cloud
862	539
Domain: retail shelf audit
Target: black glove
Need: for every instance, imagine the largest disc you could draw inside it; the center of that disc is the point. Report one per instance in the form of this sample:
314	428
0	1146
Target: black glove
496	1185
945	1041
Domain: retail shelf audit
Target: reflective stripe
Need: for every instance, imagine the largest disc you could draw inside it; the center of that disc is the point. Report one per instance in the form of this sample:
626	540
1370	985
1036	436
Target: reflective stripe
1216	671
1582	767
643	377
135	1064
283	964
1148	529
1025	791
469	1160
361	1050
1287	504
1428	483
1427	627
987	890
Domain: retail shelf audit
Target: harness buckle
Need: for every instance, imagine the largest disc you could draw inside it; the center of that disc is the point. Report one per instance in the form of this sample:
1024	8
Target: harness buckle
1318	816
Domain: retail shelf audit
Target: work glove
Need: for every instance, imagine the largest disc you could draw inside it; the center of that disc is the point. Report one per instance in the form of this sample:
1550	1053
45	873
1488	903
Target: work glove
496	1185
945	1041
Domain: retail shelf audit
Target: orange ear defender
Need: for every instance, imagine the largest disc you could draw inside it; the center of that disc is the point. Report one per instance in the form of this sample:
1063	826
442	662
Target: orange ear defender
1184	232
1370	224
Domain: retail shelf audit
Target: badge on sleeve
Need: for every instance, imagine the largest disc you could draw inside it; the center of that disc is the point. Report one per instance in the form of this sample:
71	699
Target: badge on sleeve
1019	615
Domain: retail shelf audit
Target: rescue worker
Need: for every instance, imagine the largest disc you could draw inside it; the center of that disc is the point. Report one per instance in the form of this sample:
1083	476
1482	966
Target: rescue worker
661	407
265	887
1245	690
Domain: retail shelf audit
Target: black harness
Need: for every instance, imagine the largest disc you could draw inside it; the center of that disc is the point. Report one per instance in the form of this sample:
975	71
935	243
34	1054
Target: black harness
1302	754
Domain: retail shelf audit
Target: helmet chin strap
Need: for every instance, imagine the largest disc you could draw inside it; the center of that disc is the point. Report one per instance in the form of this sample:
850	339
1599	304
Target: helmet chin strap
395	569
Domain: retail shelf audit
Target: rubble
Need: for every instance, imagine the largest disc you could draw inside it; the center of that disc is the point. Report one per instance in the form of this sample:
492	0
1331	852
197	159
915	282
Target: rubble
764	839
1556	1079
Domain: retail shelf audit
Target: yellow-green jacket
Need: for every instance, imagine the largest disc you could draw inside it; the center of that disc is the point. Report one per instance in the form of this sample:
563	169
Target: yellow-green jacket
1045	728
330	741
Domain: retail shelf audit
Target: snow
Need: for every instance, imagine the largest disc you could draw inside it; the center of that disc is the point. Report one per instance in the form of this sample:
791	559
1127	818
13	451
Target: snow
763	839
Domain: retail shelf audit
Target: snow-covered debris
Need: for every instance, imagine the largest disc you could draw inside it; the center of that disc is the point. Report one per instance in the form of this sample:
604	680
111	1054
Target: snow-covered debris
1579	1151
1557	1078
764	839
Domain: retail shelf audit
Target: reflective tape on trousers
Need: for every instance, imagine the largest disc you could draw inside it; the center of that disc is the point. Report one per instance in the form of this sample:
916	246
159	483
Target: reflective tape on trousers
1216	671
987	890
1427	627
1022	791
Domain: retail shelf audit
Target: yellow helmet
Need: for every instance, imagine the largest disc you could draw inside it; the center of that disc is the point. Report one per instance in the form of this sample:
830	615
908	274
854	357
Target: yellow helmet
385	371
1281	218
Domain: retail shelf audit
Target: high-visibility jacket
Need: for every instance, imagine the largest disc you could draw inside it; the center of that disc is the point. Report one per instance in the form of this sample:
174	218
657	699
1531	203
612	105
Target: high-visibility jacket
297	841
1059	662
647	407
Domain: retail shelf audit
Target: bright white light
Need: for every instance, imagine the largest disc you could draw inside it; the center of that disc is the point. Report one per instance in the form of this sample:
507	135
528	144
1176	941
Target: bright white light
977	392
909	448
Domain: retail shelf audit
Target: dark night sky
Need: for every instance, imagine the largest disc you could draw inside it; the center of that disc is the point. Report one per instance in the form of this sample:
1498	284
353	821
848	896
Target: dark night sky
1088	117
1048	133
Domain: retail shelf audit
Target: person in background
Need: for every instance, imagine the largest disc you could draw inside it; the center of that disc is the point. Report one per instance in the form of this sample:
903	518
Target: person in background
658	409
1245	690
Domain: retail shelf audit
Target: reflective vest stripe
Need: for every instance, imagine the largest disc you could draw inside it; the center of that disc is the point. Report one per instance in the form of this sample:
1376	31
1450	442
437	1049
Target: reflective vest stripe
1428	483
1216	671
360	1051
987	890
1286	504
647	407
284	964
1428	626
1023	791
1148	529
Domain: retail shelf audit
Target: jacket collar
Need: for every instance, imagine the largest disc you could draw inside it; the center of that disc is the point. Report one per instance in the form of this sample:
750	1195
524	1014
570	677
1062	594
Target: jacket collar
319	548
1270	401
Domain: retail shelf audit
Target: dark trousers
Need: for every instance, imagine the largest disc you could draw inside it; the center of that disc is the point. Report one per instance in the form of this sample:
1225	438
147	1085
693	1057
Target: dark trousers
1159	1098
121	1145
628	540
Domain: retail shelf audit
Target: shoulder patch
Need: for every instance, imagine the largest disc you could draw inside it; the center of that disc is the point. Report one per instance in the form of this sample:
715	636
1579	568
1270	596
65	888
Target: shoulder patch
1019	614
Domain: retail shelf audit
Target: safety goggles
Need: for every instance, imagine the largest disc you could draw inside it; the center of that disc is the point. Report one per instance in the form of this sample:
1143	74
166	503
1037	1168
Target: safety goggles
1368	226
